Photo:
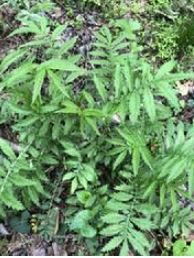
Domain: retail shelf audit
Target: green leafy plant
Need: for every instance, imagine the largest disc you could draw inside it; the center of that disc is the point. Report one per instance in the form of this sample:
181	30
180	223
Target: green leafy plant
180	248
129	222
124	161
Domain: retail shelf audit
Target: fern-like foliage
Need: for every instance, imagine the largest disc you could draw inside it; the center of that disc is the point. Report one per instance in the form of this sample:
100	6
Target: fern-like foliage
125	161
129	223
17	179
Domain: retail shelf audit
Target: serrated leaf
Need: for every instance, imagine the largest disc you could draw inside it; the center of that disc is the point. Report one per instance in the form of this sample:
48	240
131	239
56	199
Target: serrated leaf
178	77
180	138
21	181
11	58
88	231
166	91
31	28
191	181
19	73
83	181
173	200
124	249
10	200
146	155
117	81
111	230
136	244
134	106
165	69
92	123
179	247
58	31
67	46
128	76
57	83
100	88
72	152
116	205
33	195
122	196
35	43
149	103
120	159
74	185
68	176
27	122
58	64
38	81
143	224
7	150
113	218
112	244
89	173
136	160
177	169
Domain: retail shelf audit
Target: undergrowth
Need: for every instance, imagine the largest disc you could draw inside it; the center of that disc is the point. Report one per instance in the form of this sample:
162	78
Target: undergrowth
110	162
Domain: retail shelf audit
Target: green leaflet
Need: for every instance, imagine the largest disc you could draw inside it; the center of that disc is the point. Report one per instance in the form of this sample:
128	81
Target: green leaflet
169	93
117	81
177	169
149	103
57	83
143	224
21	181
124	251
58	31
121	196
8	198
89	173
191	181
58	64
6	148
134	106
33	195
112	244
111	218
38	81
165	69
112	230
67	46
119	159
100	88
92	124
19	74
11	58
136	160
31	28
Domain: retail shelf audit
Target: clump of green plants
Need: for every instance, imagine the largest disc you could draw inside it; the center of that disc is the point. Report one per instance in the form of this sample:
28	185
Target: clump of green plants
124	160
165	40
108	9
167	30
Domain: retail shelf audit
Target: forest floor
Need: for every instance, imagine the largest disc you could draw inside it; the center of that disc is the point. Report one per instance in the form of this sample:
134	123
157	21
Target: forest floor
83	25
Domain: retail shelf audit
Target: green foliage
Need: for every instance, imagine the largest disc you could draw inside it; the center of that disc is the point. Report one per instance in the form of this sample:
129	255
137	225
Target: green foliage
180	248
126	162
108	8
21	223
17	180
128	222
167	30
